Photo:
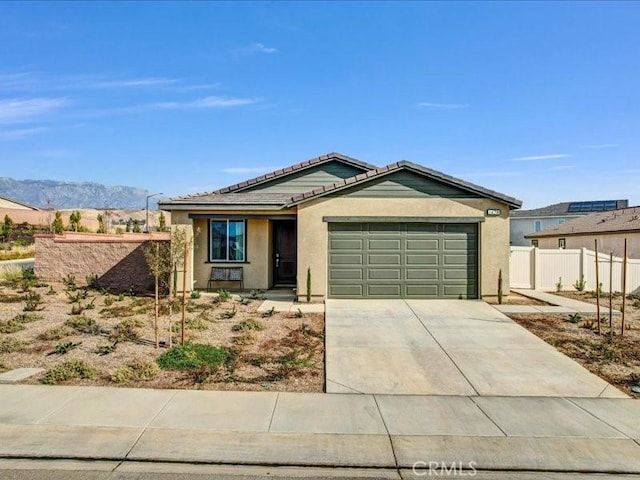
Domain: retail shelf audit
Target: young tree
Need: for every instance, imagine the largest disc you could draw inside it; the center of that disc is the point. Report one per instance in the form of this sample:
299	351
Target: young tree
136	227
128	227
162	223
158	257
7	226
74	221
57	226
101	224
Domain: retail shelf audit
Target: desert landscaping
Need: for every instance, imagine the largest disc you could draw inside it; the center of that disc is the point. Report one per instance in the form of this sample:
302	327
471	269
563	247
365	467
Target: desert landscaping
89	336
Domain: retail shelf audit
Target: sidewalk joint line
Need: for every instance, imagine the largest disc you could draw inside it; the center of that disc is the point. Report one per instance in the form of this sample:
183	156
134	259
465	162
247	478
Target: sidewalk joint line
346	386
273	412
487	415
61	406
570	400
144	428
442	348
603	390
386	428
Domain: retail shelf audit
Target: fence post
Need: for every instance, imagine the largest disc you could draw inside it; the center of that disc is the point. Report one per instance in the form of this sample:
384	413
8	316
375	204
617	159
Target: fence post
536	266
583	263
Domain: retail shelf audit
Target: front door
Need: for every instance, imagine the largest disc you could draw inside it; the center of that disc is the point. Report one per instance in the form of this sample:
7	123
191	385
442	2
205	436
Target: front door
285	255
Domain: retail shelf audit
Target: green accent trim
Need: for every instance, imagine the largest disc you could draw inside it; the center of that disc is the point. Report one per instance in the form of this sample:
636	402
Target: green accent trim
353	219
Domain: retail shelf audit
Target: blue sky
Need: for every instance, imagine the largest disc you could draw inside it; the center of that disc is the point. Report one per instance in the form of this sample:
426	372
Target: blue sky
537	100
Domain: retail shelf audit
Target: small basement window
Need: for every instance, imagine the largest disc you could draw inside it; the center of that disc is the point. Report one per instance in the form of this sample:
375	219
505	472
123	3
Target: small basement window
227	240
562	243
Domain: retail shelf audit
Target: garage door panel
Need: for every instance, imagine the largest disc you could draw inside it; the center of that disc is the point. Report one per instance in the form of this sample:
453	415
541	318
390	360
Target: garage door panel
422	273
457	259
412	259
384	228
345	274
346	244
422	290
347	291
397	260
424	244
345	228
346	259
459	274
384	274
385	290
385	244
383	259
422	228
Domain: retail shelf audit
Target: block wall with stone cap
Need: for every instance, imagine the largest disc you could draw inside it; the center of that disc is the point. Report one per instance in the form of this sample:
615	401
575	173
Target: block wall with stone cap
117	260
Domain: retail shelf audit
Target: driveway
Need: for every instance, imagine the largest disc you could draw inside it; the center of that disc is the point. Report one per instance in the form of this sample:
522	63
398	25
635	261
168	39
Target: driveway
444	347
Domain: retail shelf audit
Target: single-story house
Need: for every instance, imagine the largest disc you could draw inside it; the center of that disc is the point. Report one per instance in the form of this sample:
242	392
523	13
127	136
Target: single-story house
609	228
352	230
524	222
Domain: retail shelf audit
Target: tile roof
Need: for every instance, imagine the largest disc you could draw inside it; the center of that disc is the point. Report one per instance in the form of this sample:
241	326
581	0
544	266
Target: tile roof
377	172
240	198
623	220
283	172
558	210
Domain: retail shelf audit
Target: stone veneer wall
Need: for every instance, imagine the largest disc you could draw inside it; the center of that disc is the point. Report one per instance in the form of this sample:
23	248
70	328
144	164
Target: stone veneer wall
118	260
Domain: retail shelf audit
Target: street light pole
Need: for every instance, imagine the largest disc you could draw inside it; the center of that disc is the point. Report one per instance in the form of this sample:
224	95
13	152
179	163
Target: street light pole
147	219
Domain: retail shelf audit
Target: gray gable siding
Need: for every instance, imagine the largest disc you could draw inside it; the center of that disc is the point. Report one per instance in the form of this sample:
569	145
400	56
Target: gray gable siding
405	184
308	179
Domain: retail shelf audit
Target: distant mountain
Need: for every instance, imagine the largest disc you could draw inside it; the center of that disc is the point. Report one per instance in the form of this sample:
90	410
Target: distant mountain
42	193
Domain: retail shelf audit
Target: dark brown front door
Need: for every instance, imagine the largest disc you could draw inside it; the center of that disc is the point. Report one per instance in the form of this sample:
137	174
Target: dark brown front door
285	257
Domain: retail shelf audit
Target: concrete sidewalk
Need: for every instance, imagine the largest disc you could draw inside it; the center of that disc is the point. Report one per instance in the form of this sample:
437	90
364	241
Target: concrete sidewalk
319	430
559	305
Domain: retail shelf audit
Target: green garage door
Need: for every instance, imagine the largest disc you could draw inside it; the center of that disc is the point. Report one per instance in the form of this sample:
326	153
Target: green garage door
403	260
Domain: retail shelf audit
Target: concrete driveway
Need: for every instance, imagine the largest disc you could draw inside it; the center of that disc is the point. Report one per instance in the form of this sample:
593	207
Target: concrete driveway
445	347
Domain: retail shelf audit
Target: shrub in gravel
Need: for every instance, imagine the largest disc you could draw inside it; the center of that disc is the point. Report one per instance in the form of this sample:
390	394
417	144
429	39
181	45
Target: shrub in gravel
10	345
137	370
194	355
69	370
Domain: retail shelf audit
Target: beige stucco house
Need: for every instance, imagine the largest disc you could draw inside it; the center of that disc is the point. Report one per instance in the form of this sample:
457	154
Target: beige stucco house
609	228
352	230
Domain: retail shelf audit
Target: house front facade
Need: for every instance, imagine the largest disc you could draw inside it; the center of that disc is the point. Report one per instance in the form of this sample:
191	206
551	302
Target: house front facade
348	229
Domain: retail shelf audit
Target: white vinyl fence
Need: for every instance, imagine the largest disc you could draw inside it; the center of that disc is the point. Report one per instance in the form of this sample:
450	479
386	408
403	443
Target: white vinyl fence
542	269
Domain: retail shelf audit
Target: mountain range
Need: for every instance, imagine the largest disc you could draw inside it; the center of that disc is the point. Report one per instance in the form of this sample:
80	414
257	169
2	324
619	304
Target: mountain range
56	194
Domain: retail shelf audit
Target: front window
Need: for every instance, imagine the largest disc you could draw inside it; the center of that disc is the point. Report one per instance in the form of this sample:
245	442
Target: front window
537	225
562	243
227	240
534	243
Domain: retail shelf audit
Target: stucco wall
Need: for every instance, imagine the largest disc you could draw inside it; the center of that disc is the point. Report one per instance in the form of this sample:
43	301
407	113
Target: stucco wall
612	243
118	260
313	237
519	227
4	203
257	268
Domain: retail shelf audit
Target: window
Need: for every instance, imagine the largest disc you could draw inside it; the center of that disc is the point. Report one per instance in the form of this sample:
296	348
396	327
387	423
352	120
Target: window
534	243
538	225
227	240
562	243
561	221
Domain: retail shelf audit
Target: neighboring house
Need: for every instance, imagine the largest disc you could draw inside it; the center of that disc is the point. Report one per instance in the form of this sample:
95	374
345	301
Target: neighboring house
357	231
609	228
524	222
10	203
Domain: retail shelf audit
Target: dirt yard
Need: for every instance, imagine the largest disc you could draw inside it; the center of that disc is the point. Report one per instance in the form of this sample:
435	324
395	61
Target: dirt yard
515	299
108	339
615	358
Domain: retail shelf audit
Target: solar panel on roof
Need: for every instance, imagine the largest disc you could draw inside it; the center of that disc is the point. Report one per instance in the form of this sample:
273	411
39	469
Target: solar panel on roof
595	206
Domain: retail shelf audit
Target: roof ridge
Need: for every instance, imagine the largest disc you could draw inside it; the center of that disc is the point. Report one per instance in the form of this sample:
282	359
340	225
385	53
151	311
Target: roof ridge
398	166
281	172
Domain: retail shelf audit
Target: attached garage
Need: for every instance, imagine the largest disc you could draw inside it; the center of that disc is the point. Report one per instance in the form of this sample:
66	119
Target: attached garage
403	260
